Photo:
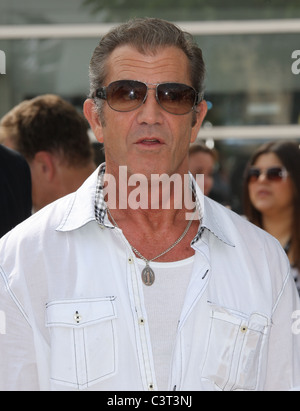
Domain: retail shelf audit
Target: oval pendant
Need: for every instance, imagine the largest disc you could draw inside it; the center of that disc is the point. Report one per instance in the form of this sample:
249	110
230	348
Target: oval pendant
148	275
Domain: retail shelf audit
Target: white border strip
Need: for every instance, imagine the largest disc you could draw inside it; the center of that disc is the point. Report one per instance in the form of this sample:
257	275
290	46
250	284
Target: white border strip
242	27
288	132
202	28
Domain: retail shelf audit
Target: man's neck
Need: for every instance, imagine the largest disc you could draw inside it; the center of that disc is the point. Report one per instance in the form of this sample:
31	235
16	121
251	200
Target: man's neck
155	197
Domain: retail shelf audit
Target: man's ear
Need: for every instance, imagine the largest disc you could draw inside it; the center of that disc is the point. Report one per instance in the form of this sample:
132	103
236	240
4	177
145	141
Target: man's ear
198	120
44	165
93	118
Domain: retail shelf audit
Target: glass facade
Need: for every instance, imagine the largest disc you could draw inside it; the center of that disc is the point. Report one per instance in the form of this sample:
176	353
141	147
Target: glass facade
250	81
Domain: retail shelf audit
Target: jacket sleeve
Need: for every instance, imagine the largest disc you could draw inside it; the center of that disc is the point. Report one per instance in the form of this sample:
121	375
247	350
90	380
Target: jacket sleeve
283	358
18	369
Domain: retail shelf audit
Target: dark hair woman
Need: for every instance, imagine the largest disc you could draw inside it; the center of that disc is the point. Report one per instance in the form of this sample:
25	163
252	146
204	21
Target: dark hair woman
272	196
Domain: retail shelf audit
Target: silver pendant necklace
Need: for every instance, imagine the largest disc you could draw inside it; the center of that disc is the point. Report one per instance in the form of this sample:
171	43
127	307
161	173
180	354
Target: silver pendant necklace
148	276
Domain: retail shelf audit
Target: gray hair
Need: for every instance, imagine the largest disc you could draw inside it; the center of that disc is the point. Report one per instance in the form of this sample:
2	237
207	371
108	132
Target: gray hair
147	35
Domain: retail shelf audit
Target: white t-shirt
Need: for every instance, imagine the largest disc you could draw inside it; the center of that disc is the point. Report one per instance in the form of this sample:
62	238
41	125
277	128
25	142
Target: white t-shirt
164	300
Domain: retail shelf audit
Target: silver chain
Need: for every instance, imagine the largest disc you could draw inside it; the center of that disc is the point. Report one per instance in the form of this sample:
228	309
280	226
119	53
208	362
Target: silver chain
164	252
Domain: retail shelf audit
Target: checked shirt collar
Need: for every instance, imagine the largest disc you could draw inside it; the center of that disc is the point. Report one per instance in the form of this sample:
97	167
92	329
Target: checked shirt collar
101	208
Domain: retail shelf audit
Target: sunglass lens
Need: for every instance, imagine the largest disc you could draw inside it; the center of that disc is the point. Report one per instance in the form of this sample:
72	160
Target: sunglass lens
272	174
126	95
253	175
275	174
176	98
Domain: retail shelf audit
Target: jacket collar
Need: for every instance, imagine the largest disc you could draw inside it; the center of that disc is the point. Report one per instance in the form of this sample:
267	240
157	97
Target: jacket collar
214	222
80	209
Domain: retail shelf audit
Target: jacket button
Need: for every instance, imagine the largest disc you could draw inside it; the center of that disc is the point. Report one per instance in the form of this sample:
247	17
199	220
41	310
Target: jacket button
77	317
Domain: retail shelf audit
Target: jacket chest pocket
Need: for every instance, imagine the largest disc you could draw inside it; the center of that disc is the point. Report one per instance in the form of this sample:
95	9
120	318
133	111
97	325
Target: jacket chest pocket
83	341
234	350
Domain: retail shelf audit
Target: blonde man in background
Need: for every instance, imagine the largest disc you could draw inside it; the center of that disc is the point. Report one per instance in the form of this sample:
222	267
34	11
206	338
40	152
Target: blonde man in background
53	137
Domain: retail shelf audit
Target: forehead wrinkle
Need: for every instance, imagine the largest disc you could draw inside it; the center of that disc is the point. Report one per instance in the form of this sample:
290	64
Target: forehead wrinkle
143	64
125	68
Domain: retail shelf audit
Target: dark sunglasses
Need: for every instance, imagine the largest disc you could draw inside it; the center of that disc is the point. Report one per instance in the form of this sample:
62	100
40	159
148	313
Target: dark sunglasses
129	95
274	174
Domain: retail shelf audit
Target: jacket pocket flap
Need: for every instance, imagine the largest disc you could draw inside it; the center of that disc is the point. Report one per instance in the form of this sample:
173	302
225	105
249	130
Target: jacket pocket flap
80	313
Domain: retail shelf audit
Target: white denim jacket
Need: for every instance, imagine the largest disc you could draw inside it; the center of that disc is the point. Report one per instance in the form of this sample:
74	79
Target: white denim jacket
72	314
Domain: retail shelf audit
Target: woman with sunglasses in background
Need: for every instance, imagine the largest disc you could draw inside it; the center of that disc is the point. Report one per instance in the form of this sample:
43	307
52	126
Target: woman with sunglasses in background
272	196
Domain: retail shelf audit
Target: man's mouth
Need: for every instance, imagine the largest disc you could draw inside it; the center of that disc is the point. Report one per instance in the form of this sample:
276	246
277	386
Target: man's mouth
149	141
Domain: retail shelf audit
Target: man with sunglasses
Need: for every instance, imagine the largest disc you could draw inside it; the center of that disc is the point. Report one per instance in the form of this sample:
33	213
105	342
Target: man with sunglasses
122	287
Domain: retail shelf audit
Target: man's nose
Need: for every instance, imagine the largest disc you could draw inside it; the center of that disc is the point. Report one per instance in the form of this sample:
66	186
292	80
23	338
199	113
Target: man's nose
150	112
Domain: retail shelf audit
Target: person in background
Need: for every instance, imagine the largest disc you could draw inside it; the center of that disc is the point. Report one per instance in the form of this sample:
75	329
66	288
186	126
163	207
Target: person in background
272	196
123	295
202	160
52	136
15	189
99	154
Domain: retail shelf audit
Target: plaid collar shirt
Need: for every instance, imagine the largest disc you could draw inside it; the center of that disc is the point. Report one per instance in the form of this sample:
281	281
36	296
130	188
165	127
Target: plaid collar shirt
101	207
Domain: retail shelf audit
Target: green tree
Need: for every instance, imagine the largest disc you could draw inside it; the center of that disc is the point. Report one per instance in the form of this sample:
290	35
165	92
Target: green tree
117	10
